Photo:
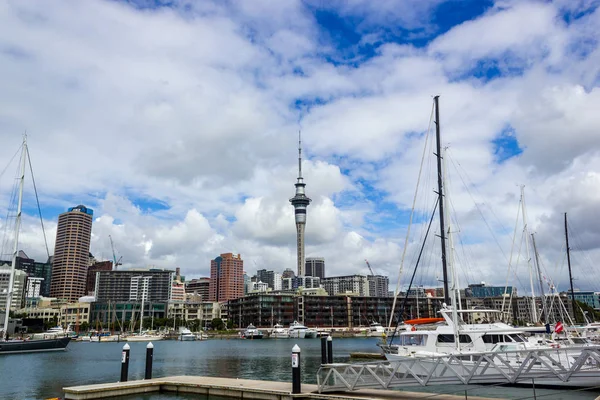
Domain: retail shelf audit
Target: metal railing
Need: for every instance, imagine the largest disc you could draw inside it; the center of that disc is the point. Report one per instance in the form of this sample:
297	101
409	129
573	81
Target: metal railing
569	366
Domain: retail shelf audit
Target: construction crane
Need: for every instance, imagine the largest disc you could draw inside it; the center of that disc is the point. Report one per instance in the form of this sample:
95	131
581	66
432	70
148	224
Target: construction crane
116	262
370	269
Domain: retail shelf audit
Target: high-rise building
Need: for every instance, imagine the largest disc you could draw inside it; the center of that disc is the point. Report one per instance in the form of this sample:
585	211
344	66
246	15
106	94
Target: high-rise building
357	284
300	202
315	266
71	254
288	273
34	270
90	284
198	287
153	285
378	285
271	278
226	277
19	286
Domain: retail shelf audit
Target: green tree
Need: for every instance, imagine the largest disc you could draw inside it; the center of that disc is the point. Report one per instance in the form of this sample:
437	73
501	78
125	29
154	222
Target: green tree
84	327
217	324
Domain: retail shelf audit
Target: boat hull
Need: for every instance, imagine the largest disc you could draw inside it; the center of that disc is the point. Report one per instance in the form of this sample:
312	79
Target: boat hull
143	338
34	346
187	338
254	336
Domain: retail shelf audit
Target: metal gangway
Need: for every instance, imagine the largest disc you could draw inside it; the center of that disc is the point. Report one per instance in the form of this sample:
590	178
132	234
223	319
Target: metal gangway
569	366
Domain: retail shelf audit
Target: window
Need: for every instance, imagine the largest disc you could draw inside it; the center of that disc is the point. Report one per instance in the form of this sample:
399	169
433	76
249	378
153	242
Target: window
413	340
445	339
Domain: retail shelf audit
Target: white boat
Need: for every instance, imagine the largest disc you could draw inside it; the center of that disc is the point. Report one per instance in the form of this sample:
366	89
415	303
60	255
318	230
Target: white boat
297	330
144	337
185	335
252	333
201	336
376	330
279	332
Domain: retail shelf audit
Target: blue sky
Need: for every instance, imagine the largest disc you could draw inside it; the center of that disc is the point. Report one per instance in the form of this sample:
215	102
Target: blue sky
177	123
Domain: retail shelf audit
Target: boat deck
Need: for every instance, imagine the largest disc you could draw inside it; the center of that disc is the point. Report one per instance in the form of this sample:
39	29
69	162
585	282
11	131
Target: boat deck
235	388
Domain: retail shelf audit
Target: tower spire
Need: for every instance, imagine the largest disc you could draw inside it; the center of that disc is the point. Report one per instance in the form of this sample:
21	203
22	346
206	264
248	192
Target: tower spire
300	202
299	155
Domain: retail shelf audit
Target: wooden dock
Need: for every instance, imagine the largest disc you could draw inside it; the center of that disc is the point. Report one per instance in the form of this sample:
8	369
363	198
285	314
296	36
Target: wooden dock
235	388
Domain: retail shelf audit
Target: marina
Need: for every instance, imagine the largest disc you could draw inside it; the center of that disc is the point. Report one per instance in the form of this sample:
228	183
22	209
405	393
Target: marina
46	374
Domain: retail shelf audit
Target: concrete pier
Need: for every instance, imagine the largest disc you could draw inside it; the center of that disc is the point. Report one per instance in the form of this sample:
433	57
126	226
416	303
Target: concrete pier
235	388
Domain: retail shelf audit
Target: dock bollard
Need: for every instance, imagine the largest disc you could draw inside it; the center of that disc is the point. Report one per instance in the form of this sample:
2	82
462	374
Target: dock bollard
296	370
323	350
149	355
329	350
125	363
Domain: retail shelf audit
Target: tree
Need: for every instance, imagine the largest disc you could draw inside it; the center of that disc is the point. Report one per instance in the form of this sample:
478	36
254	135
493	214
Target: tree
84	327
217	324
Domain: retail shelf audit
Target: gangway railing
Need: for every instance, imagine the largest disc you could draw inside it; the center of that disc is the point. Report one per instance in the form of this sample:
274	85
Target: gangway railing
568	366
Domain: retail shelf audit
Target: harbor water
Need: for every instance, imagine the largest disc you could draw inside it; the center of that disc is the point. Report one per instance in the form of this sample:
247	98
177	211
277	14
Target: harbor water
43	375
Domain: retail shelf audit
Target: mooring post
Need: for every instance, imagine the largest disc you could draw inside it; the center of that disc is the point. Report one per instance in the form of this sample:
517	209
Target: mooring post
125	362
296	370
149	355
329	350
323	350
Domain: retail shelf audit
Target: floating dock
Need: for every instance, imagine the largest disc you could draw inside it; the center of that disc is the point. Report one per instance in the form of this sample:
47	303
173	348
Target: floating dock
236	388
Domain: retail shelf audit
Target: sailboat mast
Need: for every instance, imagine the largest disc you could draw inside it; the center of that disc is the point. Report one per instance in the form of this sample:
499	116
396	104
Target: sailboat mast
569	264
11	279
534	314
539	271
441	197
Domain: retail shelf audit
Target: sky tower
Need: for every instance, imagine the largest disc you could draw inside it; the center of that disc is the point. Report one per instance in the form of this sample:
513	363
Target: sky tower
300	202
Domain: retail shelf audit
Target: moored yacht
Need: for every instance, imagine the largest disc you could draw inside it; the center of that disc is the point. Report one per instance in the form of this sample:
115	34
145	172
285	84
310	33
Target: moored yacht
279	332
297	330
376	330
185	335
252	333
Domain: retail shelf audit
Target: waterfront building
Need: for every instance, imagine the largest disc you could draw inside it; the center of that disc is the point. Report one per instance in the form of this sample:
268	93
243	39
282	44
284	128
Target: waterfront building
482	290
315	266
177	291
590	298
357	284
226	277
130	285
300	202
262	310
378	285
71	253
49	315
199	286
123	315
90	285
74	314
19	286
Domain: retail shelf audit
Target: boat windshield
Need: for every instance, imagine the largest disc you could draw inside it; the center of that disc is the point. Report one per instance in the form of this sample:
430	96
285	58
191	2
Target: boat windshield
413	340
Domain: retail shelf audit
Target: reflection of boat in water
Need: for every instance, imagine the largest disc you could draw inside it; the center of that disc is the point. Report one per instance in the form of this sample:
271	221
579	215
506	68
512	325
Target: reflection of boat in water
279	332
297	330
185	335
252	333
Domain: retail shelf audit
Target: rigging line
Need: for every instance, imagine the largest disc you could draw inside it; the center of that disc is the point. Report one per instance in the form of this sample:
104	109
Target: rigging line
475	187
38	203
403	308
479	209
11	203
412	211
10	162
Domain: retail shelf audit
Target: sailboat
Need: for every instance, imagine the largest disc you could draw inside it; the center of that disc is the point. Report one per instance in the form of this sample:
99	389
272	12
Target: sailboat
469	341
8	345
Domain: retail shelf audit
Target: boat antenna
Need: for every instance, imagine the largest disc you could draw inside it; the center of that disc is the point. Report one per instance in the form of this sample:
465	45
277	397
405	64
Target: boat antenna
440	194
569	265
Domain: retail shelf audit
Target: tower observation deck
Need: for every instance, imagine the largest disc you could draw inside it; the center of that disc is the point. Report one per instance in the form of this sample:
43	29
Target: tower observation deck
300	202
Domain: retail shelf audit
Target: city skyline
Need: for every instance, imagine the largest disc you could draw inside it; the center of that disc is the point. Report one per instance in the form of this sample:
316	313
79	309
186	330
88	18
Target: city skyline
194	154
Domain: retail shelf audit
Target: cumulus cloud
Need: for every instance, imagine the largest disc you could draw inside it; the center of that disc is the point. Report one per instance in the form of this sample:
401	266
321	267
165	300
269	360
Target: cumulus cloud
178	125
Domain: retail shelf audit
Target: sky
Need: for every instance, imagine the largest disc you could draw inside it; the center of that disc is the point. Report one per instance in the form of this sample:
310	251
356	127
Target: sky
177	122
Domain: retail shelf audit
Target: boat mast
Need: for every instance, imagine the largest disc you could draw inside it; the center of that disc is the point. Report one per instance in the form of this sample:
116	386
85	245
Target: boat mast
569	264
440	194
11	279
534	315
539	271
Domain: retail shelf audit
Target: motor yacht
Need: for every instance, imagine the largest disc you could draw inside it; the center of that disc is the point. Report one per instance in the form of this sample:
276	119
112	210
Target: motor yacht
185	335
279	332
252	333
297	330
